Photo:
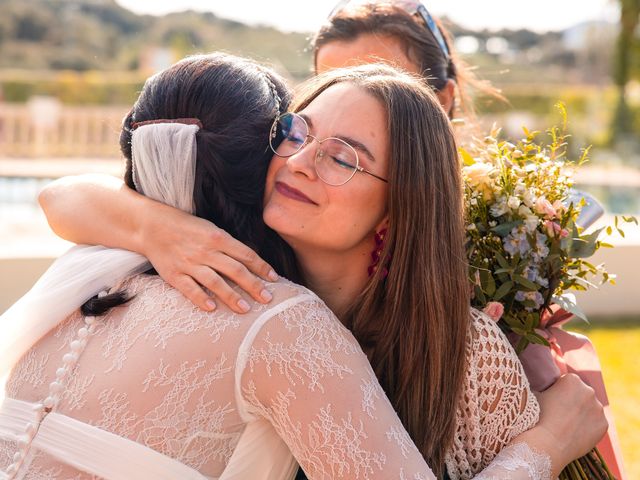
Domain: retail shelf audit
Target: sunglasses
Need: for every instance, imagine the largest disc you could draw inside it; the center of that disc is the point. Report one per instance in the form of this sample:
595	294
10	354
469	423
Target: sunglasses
414	8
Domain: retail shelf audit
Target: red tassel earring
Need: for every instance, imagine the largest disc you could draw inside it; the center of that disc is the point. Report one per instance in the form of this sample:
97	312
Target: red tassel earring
377	253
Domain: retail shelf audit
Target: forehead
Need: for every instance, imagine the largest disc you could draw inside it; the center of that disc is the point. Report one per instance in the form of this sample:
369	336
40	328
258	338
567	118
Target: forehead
365	48
348	105
347	110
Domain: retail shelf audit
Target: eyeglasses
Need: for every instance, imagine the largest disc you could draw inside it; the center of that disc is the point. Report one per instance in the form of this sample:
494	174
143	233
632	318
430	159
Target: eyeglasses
412	7
336	162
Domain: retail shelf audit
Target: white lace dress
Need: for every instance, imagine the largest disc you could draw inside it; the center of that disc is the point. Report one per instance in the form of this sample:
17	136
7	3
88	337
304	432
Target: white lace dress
161	390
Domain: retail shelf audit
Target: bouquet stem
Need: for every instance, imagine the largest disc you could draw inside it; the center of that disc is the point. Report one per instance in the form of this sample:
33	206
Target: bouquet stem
590	467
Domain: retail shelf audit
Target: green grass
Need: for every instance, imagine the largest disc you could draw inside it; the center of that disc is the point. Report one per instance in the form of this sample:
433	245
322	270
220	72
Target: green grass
617	341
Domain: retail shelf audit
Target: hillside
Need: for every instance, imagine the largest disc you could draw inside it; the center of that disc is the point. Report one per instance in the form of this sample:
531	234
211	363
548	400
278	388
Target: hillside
100	35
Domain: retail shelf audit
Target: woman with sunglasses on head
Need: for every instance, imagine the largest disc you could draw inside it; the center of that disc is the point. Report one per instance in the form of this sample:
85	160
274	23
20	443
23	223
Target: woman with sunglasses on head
404	34
337	189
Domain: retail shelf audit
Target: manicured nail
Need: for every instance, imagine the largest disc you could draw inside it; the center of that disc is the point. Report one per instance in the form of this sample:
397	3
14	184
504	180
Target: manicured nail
243	305
273	276
266	295
211	305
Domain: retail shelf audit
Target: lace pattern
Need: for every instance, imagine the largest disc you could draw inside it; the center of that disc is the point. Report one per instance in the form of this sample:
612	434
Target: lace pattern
497	403
518	459
164	374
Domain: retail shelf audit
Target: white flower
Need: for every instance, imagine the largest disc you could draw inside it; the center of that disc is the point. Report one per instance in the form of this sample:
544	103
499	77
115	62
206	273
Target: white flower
471	226
513	203
499	208
478	173
479	177
531	223
525	194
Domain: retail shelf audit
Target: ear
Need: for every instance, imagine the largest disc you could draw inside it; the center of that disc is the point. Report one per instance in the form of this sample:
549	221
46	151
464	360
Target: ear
447	96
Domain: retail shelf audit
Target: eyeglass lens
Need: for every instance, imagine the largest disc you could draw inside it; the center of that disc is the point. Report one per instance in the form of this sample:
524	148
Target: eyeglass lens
335	161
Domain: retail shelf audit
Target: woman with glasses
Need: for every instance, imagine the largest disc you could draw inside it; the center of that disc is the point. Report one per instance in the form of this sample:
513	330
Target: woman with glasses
355	162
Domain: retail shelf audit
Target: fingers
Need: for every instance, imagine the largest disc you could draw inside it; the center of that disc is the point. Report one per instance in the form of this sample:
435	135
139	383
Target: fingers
193	292
243	254
238	273
219	287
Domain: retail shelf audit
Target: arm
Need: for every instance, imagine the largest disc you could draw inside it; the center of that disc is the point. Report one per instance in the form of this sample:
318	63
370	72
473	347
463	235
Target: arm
185	250
305	373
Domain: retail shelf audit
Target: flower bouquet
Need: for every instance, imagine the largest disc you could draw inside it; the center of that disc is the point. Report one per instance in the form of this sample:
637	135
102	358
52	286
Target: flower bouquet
526	248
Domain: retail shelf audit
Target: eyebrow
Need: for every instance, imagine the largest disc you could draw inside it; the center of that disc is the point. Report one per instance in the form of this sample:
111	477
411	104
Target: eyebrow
351	141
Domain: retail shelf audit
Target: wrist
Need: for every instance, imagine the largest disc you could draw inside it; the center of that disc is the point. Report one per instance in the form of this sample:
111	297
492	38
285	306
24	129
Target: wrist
145	225
542	441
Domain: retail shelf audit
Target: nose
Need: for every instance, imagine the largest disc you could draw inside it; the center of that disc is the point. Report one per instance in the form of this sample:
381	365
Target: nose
303	161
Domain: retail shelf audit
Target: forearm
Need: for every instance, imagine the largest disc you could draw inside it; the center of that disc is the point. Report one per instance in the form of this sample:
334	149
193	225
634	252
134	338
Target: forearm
96	209
187	251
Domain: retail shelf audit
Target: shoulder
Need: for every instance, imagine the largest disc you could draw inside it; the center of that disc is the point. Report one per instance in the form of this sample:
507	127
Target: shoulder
144	288
484	332
491	357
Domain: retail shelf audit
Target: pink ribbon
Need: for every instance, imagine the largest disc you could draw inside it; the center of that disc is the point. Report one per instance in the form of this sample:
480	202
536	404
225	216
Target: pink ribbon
571	353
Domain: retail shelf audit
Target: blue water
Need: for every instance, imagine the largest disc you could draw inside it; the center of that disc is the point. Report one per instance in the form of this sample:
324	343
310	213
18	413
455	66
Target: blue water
20	190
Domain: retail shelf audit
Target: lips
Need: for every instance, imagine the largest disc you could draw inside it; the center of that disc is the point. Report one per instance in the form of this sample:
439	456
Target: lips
292	193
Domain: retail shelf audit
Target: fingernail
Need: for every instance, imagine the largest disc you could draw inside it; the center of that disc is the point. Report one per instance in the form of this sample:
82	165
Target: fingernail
243	305
273	276
266	295
211	305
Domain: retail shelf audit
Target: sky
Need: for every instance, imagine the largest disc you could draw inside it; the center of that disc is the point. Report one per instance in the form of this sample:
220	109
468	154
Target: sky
308	15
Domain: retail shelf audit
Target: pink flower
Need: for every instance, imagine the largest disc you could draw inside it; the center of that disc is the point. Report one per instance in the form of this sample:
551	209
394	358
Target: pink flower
544	207
553	229
494	310
559	207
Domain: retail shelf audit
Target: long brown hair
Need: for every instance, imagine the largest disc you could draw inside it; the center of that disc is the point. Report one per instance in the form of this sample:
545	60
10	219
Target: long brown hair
384	18
413	322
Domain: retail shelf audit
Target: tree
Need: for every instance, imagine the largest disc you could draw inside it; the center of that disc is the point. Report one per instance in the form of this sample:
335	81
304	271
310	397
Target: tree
626	66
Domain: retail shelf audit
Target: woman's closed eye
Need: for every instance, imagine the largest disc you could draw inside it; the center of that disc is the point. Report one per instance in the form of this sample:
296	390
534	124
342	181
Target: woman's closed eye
343	163
295	139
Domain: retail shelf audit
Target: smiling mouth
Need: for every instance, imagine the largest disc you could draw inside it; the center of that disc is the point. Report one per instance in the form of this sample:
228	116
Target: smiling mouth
292	193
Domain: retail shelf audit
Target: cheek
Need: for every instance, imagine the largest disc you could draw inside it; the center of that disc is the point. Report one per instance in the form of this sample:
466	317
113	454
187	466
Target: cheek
274	166
352	216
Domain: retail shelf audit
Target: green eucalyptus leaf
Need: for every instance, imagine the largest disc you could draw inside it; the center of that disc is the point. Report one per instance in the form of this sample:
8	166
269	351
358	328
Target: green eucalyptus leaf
567	301
525	282
502	261
537	339
504	229
504	289
586	245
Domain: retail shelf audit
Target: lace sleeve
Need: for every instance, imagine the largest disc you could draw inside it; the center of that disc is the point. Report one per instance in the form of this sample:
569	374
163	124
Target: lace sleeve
497	404
306	374
518	462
